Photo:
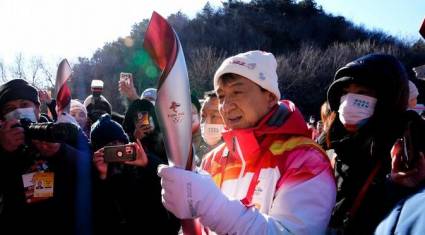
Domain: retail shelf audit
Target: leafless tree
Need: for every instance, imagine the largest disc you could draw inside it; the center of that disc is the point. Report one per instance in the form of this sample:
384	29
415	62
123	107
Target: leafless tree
3	73
35	66
18	68
202	64
47	71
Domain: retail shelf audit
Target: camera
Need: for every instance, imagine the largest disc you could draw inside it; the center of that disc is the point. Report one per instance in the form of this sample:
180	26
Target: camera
50	132
119	153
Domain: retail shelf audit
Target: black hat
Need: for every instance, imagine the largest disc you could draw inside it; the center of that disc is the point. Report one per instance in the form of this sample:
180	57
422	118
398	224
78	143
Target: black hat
105	130
18	89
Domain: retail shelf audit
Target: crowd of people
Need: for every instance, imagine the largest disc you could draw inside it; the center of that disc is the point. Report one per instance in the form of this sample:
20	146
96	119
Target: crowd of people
261	167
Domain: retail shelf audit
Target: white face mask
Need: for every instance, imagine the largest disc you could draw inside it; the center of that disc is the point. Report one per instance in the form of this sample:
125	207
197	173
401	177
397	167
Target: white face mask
21	113
355	109
211	133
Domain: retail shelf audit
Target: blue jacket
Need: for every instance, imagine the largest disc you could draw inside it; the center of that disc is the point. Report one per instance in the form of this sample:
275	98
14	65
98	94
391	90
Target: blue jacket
407	217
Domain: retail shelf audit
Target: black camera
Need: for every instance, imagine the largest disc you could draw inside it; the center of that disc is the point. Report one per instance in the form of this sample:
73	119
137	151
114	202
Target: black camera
50	132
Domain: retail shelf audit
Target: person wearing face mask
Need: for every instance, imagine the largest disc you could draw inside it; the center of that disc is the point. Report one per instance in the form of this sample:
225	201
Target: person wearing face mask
63	205
368	98
211	123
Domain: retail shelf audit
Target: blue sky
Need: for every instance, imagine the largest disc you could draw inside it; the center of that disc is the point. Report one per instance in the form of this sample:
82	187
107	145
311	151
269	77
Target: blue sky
56	29
401	18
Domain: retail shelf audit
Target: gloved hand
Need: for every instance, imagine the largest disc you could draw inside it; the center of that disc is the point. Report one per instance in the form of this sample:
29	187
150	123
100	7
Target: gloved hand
193	194
184	191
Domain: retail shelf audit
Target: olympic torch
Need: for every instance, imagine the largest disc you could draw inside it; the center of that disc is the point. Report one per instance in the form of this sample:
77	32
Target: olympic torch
173	105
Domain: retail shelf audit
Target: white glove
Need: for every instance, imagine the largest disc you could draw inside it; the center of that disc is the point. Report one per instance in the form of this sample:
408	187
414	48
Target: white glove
183	191
188	195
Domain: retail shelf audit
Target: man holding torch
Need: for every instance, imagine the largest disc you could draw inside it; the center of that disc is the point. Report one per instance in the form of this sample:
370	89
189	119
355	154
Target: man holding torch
267	177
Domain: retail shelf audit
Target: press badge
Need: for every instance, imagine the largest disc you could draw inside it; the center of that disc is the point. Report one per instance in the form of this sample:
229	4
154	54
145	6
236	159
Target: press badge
38	186
43	186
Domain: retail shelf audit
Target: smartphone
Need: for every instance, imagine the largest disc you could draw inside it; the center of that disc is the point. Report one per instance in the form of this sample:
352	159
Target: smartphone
409	153
119	153
126	77
143	117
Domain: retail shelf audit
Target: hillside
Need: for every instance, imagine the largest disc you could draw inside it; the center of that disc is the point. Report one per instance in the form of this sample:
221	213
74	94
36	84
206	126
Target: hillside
309	45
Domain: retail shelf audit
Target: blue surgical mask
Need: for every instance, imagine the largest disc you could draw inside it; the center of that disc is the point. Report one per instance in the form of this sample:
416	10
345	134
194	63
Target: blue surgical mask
21	113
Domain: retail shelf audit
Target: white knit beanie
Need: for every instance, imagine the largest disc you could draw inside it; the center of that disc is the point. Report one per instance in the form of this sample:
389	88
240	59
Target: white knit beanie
257	66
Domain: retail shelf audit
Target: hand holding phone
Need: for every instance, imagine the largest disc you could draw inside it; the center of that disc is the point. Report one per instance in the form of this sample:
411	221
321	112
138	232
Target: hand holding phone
126	86
119	153
127	78
143	125
141	157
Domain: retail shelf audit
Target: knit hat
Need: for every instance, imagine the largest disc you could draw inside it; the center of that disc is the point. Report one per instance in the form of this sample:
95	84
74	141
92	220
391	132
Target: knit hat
257	66
105	130
149	93
18	89
75	104
413	90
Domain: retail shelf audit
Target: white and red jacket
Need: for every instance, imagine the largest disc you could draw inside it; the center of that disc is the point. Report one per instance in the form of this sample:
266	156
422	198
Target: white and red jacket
278	169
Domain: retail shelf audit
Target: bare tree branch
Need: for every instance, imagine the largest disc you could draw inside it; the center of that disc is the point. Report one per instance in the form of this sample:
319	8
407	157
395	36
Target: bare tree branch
3	74
35	66
18	69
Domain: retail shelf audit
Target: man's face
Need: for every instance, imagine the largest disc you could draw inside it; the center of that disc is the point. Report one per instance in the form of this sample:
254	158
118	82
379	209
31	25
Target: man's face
242	103
19	104
210	113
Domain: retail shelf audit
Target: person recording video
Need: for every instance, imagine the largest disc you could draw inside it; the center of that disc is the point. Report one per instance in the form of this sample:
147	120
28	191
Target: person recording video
27	154
127	193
